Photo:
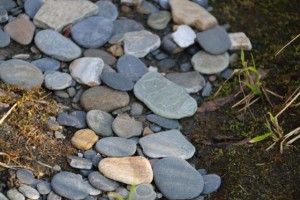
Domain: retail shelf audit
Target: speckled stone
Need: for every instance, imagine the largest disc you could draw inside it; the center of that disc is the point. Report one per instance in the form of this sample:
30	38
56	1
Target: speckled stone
84	139
58	80
127	127
100	122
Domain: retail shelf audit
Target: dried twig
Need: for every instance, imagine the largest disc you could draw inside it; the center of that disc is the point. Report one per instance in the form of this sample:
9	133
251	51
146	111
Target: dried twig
8	113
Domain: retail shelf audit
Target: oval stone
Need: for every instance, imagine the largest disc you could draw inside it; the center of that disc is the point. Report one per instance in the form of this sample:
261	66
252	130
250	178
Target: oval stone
117	81
116	147
127	127
84	139
58	80
100	122
102	183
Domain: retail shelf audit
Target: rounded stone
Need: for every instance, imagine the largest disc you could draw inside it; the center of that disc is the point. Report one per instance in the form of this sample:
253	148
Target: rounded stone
44	187
212	182
99	53
144	192
127	127
4	39
84	139
29	192
25	176
107	10
184	36
14	194
32	6
8	4
102	183
160	20
58	80
46	64
117	81
100	122
169	45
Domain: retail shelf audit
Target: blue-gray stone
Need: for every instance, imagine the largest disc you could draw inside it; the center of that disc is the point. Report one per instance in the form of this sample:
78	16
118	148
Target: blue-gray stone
207	89
81	119
46	64
203	3
79	163
102	183
25	176
202	171
166	64
155	128
92	32
8	4
3	15
107	10
75	119
117	81
99	53
29	192
144	191
3	197
100	122
163	122
164	4
169	45
89	154
211	183
53	196
44	187
58	80
147	8
116	147
189	183
92	190
227	73
96	159
14	194
32	6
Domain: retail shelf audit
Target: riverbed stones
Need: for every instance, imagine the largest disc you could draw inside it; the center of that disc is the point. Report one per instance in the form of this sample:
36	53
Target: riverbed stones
103	98
175	103
4	39
29	192
66	12
190	13
159	20
163	122
100	122
102	183
166	144
128	170
44	187
116	147
170	170
240	41
206	63
56	45
117	81
107	10
58	80
46	64
184	36
211	183
74	119
84	139
31	7
127	127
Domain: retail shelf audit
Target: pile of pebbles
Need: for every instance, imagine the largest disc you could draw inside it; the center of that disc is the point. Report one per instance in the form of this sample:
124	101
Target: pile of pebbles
128	84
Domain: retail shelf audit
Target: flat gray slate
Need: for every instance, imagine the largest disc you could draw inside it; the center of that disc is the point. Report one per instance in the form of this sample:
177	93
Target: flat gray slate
164	97
166	144
117	81
163	122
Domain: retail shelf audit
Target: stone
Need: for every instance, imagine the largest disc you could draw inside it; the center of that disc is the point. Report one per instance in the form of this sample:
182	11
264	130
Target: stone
147	8
84	139
87	70
159	20
89	154
4	39
239	41
91	189
203	3
3	197
210	64
144	192
116	50
131	67
96	159
66	12
20	30
25	176
155	128
129	170
100	122
92	32
212	182
166	144
21	73
206	91
79	163
98	53
140	43
102	183
167	171
8	4
175	103
116	147
164	4
136	109
214	41
107	10
32	6
103	98
192	82
127	127
169	45
190	13
166	64
184	36
44	187
227	73
56	45
3	15
58	80
14	194
29	192
163	122
46	64
117	81
53	196
75	119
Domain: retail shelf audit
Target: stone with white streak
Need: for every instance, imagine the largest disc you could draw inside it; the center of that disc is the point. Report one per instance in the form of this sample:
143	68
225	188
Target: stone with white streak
184	36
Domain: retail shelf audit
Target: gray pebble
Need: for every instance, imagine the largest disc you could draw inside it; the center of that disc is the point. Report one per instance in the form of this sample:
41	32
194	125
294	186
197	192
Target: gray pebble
136	109
3	15
46	64
100	122
206	91
14	194
100	182
44	187
29	192
79	163
25	176
163	122
53	196
32	6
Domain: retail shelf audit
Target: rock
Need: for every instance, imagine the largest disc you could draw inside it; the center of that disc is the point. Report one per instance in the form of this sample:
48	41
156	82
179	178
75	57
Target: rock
210	64
84	139
136	109
211	183
116	50
131	67
128	170
96	159
140	43
4	39
107	10
102	183
32	6
116	147
203	3
53	196
184	36
166	144
207	89
56	45
146	8
164	4
20	30
103	98
89	154
92	32
14	194
159	20
29	192
21	73
98	53
92	190
44	188
163	122
239	41
58	80
155	128
169	45
189	183
100	122
79	163
214	41
46	64
87	70
3	197
3	15
66	12
75	119
144	192
7	4
117	81
25	176
227	73
192	82
190	13
175	103
127	127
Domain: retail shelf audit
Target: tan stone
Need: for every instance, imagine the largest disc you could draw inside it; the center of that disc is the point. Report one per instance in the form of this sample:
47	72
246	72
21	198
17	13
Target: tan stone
84	139
239	41
147	131
128	170
190	13
116	50
127	127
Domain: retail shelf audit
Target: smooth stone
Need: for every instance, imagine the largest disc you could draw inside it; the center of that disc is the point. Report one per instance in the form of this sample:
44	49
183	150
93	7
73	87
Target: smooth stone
116	147
84	139
155	128
164	4
45	64
79	163
96	159
206	91
210	64
56	45
32	6
128	170
140	43
21	73
89	154
29	192
4	39
3	197
103	98
71	91
20	30
239	41
212	182
184	36
53	196
25	176
167	171
14	194
87	70
91	189
98	53
117	81
44	187
214	41
3	15
127	127
92	32
66	12
75	119
163	122
166	144
227	73
203	3
136	109
100	122
116	50
69	185
131	67
144	192
192	82
159	20
102	183
166	64
175	103
107	10
58	80
169	45
202	171
190	13
146	8
8	4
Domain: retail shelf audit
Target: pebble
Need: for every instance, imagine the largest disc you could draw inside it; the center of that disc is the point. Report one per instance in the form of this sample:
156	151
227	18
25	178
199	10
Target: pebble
98	53
155	128
164	4
3	15
169	45
128	170
96	159
144	192
58	80
202	171
84	139
4	39
107	10
239	41
79	163
175	103
3	197
159	20
71	91
56	45
91	189
103	98
87	70
184	36
32	6
167	171
100	122
163	122
29	192
8	4
44	187
212	182
45	64
14	194
147	8
203	3
89	154
117	81
166	64
210	64
53	196
127	127
116	147
136	109
207	89
102	183
166	144
116	50
25	176
227	73
75	119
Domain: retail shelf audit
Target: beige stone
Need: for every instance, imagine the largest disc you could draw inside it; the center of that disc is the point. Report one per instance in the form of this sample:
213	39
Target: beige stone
127	127
116	50
239	41
84	139
190	13
128	170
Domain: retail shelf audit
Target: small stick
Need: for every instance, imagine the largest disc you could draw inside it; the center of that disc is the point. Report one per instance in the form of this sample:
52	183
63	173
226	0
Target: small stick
287	44
8	113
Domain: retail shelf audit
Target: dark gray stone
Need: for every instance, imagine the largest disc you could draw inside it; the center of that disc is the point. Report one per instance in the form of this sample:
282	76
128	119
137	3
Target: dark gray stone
100	122
89	154
117	81
164	4
102	183
166	64
4	39
25	176
155	128
75	119
169	45
32	6
46	64
92	190
53	196
96	159
227	73
107	10
211	183
163	122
